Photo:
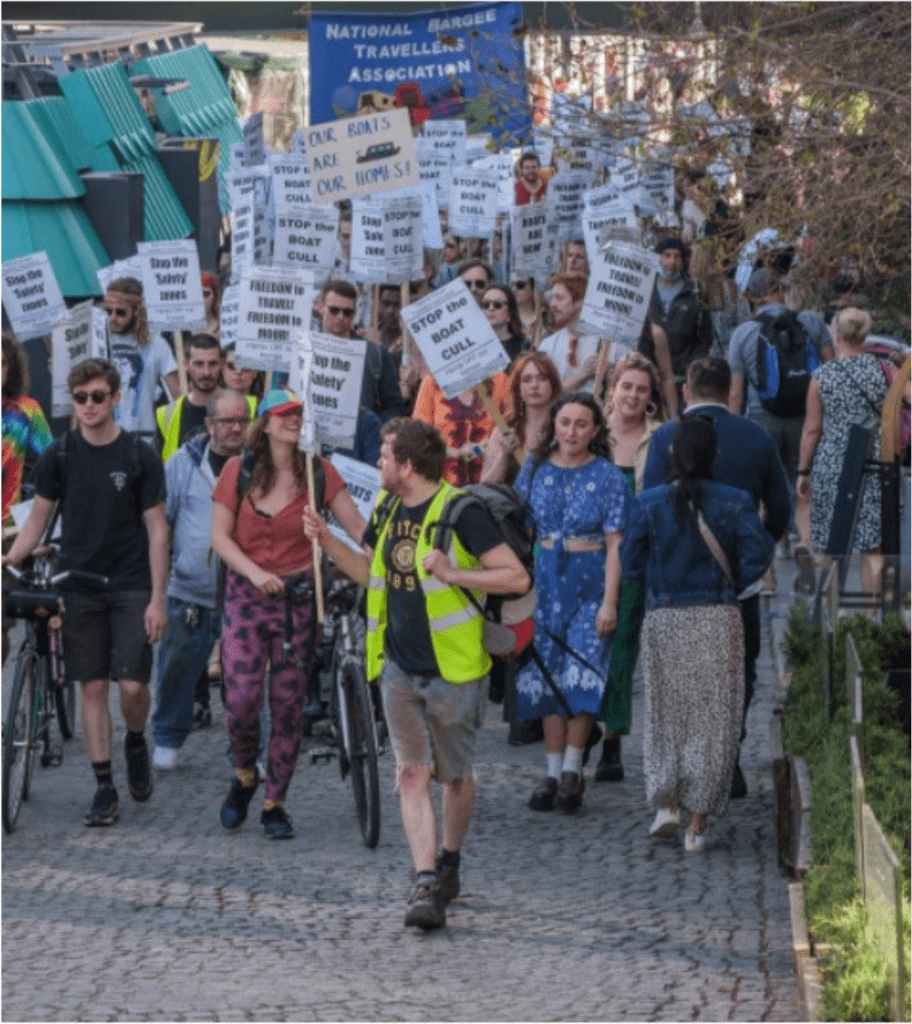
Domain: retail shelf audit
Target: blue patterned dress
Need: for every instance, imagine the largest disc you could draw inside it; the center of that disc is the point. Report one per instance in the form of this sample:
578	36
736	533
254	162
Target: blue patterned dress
585	502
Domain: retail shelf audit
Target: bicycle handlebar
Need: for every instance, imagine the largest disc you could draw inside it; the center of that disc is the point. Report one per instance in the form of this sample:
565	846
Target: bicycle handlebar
78	575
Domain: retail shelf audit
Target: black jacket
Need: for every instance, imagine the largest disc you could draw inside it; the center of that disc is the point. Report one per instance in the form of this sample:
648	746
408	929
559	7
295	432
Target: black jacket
687	324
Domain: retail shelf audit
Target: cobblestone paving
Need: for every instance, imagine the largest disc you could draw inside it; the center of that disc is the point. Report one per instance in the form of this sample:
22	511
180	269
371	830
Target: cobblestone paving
167	917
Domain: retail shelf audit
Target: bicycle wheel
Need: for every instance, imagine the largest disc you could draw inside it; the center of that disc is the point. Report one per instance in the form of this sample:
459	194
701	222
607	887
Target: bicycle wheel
362	751
65	702
18	751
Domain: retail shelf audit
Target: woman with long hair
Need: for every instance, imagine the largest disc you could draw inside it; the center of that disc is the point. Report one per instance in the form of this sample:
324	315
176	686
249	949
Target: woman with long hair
499	305
635	408
579	505
695	544
26	433
533	314
534	384
854	382
258	533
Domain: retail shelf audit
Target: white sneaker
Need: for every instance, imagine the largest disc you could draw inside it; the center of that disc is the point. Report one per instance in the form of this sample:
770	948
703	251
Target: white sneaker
165	758
666	824
695	842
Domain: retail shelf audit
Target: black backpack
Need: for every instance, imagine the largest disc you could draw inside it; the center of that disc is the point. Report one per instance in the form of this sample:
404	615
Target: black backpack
786	358
512	515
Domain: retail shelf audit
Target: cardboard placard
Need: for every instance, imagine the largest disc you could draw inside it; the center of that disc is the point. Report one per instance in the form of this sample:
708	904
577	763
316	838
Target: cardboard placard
229	315
71	343
454	336
291	185
356	156
534	246
31	296
275	309
254	144
444	138
567	191
473	203
387	239
617	297
172	290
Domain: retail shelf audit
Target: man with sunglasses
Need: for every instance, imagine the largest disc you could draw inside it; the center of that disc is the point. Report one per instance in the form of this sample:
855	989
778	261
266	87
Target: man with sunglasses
111	489
194	623
380	384
477	277
143	358
185	417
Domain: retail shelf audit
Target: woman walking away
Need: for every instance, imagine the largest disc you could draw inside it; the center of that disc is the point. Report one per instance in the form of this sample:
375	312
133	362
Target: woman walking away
579	504
854	382
696	544
258	532
636	407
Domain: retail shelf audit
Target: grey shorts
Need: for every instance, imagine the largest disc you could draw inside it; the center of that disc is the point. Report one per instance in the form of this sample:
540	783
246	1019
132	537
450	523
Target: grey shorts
104	636
433	722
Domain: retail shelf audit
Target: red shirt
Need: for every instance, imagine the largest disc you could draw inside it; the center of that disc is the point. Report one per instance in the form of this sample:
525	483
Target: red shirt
276	543
523	196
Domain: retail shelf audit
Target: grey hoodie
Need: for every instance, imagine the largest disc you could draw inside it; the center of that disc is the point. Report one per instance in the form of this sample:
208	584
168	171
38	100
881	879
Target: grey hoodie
190	482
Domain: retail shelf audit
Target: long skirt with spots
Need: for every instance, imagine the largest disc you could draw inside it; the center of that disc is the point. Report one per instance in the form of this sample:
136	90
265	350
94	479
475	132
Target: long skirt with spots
253	631
693	659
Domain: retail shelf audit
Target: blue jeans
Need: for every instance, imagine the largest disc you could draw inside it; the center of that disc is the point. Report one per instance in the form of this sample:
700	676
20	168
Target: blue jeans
183	656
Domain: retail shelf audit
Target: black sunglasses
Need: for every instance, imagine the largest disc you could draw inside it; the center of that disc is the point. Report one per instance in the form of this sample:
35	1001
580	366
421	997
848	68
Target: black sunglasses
340	311
81	397
117	311
493	304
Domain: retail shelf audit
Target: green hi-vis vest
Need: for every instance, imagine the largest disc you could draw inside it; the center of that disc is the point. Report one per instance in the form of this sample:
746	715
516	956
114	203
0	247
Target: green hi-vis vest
457	627
169	422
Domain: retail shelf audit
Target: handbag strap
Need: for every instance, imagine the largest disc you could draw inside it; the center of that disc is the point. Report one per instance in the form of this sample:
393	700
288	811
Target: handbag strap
715	547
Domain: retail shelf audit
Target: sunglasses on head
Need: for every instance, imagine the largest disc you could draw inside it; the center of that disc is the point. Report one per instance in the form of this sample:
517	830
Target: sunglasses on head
341	310
116	311
493	304
81	397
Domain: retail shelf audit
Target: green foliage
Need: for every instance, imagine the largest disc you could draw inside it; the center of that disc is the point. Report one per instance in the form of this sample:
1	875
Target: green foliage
855	985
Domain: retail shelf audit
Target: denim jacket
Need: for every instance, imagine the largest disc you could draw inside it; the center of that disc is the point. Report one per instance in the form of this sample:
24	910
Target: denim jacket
673	559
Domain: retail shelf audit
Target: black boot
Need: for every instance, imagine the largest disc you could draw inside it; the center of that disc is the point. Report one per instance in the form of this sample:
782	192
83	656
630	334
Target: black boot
609	768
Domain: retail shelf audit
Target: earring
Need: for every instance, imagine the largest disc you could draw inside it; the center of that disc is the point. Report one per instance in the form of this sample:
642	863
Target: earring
651	409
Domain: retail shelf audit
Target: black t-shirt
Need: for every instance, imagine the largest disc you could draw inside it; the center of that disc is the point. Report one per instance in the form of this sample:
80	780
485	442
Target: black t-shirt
408	634
193	420
217	462
108	488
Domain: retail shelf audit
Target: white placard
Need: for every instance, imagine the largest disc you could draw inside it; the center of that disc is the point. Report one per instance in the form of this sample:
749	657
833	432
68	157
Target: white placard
454	336
503	165
355	156
254	146
229	315
473	203
291	186
249	237
363	483
432	236
335	387
71	343
436	171
131	267
99	341
306	237
445	137
533	245
275	309
659	184
387	239
567	191
31	296
172	290
617	297
605	208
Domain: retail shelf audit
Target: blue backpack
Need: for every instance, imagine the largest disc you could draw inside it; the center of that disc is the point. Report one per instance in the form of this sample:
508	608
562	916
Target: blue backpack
786	358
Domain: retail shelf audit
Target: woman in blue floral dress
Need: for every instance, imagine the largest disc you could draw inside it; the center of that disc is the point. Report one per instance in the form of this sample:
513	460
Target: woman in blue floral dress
579	503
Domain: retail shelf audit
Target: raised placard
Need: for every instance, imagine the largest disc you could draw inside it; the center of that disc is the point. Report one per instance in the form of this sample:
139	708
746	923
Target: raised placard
473	203
275	308
31	296
172	290
71	343
620	286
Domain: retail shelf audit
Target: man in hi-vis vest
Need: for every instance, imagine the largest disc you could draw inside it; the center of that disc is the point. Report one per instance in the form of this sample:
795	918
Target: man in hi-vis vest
425	644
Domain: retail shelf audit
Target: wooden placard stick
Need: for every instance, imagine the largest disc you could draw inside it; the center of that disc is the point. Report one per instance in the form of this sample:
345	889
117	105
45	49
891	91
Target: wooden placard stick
317	553
181	363
488	402
599	383
375	312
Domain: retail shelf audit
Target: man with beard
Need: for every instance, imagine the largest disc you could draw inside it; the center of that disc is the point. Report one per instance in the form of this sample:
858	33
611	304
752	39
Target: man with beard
142	358
185	417
531	186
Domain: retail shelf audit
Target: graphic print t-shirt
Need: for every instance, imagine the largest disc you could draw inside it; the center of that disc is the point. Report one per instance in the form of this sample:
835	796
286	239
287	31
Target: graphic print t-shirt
408	634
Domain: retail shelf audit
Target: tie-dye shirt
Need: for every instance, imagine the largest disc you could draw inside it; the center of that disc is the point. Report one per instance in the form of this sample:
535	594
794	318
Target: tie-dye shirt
26	435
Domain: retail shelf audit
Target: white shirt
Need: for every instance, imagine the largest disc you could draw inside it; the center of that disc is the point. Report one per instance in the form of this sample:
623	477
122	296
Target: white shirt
557	346
140	371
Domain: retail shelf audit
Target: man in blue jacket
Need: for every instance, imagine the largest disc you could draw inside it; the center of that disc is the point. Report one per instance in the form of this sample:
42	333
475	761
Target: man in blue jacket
193	616
748	460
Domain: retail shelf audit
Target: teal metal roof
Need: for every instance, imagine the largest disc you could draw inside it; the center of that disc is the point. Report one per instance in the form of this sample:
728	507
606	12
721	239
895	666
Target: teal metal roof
109	112
55	117
33	167
64	232
206	108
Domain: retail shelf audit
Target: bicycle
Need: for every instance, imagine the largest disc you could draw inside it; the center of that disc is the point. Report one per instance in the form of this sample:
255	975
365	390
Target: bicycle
40	694
355	728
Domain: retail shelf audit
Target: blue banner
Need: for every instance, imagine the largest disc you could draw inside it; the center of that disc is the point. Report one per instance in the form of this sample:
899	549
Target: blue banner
451	62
